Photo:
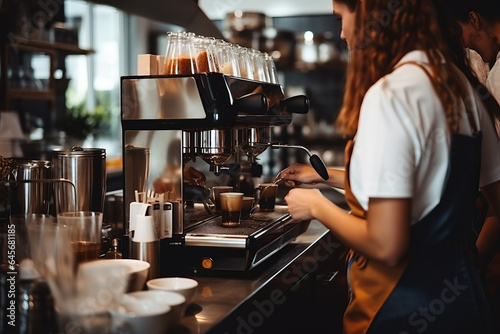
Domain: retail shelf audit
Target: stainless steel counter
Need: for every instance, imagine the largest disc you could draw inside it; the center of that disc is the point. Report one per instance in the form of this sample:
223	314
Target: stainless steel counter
248	303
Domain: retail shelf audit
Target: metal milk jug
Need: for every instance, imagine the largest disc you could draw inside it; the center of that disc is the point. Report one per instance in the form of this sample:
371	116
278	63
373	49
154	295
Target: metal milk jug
31	192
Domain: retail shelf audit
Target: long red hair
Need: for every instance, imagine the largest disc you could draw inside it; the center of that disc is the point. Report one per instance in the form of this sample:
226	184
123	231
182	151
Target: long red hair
385	32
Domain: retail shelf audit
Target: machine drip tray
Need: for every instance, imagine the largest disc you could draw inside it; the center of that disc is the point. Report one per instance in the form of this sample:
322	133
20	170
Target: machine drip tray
248	226
211	246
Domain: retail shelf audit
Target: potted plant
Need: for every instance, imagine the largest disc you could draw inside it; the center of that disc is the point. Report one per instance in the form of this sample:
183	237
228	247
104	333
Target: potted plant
79	123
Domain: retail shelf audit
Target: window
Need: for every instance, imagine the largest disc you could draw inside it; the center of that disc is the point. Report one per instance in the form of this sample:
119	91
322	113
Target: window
94	85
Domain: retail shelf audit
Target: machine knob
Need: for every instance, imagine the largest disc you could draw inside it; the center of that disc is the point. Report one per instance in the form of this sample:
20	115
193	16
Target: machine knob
252	104
296	104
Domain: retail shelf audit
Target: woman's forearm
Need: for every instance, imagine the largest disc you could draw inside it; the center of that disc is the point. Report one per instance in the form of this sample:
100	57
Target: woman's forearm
383	236
336	178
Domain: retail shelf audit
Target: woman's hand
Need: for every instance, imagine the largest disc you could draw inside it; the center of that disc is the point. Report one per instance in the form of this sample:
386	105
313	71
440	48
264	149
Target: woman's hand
194	177
301	202
297	174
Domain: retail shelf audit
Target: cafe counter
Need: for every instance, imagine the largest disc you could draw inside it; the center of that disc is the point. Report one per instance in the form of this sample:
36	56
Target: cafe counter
302	288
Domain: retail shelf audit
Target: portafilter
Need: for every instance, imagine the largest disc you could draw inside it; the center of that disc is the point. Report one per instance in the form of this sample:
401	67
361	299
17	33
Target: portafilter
216	147
254	141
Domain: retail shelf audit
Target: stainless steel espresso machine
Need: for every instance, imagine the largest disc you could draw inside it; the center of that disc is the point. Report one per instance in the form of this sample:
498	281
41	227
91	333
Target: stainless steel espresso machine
172	125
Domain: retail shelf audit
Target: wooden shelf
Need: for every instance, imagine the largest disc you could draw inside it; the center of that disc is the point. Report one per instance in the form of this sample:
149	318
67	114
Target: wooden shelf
69	49
31	94
36	46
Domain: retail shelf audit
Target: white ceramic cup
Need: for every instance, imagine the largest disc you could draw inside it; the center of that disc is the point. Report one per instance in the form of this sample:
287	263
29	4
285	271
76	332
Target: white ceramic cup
138	316
182	285
174	300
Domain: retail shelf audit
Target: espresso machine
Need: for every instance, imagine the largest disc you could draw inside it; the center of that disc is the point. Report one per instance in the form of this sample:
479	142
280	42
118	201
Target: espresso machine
173	124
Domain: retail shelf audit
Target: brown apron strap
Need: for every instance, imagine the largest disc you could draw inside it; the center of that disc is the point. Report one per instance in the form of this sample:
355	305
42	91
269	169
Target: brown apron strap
351	200
371	282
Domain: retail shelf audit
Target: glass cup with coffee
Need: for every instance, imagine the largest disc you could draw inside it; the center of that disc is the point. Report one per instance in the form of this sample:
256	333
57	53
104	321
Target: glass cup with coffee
216	191
231	204
85	228
247	206
267	196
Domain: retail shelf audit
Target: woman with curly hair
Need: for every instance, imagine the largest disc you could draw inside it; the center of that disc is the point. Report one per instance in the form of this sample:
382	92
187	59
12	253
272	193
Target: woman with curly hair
422	144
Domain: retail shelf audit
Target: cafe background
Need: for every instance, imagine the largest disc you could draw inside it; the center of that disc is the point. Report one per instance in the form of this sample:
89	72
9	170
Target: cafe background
62	61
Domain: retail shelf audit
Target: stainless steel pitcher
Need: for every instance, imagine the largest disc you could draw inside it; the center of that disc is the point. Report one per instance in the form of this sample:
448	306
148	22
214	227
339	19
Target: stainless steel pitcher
30	197
86	169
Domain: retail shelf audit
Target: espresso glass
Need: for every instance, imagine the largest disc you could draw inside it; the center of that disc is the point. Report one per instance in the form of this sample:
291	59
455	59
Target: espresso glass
245	62
204	51
231	204
247	206
260	71
267	196
216	191
271	69
227	59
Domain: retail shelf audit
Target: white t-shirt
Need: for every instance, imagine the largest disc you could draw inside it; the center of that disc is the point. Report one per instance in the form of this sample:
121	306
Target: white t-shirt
401	149
478	66
493	85
493	80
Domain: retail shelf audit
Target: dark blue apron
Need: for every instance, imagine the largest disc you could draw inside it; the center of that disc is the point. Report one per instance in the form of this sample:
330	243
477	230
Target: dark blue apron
438	289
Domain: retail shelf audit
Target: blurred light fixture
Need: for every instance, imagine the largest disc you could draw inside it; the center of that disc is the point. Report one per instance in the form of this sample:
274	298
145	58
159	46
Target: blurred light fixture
308	38
276	54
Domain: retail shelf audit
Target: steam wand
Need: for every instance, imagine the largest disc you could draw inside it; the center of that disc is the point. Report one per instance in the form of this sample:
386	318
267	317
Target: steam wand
315	160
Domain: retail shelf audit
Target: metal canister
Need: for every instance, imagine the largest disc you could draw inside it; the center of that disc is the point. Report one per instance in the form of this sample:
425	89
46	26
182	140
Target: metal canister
31	192
86	169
